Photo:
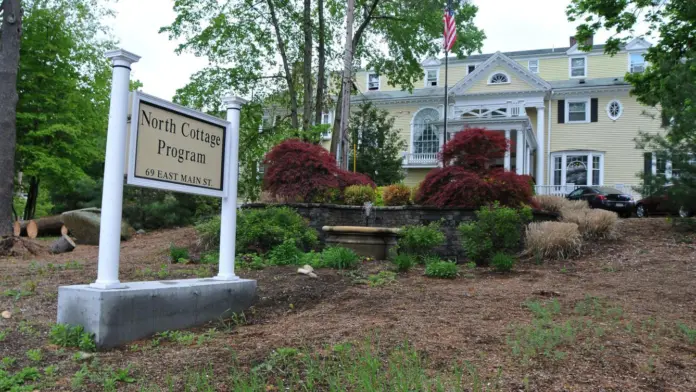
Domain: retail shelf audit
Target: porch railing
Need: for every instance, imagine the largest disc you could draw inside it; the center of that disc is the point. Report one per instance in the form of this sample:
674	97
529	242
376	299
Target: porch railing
420	159
501	110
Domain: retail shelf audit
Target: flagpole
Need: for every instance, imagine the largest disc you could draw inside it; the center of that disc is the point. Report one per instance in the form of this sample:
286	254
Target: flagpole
446	47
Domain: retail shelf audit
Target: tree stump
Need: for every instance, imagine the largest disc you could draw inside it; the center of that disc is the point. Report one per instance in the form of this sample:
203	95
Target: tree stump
16	229
32	229
62	245
64	230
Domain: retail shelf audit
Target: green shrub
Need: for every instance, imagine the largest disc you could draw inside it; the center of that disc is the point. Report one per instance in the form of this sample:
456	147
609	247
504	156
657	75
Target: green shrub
497	229
397	195
65	335
420	240
260	230
404	262
339	258
379	197
286	253
357	195
251	261
502	262
442	269
176	253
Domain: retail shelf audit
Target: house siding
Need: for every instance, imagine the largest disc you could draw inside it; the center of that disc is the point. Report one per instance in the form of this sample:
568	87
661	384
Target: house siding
515	84
622	160
415	176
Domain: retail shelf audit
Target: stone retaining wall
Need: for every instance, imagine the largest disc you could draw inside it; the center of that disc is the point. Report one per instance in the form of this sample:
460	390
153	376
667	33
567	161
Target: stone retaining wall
320	215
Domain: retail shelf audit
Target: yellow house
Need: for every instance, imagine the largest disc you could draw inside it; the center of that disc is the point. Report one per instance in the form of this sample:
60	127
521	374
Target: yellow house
567	113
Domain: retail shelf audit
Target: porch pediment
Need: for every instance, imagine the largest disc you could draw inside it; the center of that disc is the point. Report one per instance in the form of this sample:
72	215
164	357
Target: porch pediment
498	75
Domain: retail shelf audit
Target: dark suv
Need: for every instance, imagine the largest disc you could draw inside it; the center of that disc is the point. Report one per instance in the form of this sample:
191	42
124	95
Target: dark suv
660	203
605	198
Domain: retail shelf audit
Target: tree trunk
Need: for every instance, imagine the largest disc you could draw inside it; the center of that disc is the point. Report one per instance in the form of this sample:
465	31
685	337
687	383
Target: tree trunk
62	245
335	137
32	230
48	226
321	77
286	66
347	81
32	197
307	66
10	35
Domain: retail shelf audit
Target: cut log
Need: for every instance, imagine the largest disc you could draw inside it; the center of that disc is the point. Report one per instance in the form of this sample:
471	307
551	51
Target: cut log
62	245
47	227
64	230
20	247
16	229
84	226
32	229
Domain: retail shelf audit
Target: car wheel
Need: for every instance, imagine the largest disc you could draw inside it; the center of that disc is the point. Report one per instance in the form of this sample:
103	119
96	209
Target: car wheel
641	212
684	212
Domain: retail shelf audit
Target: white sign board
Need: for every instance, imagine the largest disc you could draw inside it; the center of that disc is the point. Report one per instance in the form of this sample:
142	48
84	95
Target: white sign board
178	149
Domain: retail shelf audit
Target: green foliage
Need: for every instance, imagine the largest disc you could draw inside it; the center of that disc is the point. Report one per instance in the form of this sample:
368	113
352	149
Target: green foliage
65	335
404	261
442	269
378	144
20	381
35	355
339	258
3	335
381	278
259	230
286	253
497	229
357	195
688	332
502	262
177	254
251	261
420	240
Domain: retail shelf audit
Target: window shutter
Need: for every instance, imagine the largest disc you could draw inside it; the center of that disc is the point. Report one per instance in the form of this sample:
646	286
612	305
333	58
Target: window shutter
647	165
594	110
561	111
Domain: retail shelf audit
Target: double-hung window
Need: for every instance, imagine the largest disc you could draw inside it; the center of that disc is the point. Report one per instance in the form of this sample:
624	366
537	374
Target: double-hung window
637	62
373	81
578	67
431	78
577	111
533	66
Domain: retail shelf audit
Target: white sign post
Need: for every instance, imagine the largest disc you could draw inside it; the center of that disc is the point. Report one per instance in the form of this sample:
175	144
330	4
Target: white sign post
114	164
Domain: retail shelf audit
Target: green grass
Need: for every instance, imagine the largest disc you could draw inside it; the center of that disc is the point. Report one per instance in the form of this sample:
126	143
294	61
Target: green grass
65	335
441	269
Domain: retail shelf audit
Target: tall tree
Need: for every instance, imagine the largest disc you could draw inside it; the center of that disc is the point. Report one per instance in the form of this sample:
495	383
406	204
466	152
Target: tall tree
321	61
378	145
669	82
307	65
61	129
394	37
10	36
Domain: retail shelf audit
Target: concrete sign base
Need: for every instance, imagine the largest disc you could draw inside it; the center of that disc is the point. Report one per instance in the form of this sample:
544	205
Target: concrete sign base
141	309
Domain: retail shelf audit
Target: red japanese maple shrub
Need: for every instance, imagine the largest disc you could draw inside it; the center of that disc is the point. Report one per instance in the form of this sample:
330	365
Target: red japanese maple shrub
468	180
474	149
306	172
301	172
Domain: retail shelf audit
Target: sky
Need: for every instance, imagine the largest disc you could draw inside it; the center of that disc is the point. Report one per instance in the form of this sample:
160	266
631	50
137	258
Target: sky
509	25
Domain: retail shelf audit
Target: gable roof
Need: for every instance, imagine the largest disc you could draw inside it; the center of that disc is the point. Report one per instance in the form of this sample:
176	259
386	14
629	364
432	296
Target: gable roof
499	59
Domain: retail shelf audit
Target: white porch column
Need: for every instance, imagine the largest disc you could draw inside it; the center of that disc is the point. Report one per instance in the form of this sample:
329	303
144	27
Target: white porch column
541	154
519	154
507	153
228	215
114	165
528	166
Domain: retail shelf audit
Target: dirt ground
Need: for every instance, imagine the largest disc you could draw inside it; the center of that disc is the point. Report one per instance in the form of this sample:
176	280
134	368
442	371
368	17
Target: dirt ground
642	287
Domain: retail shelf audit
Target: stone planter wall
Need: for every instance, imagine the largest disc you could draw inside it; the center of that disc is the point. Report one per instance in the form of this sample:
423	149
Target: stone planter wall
320	215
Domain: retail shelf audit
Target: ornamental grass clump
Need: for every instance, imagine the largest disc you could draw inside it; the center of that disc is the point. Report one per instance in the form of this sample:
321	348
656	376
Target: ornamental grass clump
339	258
502	262
558	204
396	195
442	270
593	224
357	195
553	240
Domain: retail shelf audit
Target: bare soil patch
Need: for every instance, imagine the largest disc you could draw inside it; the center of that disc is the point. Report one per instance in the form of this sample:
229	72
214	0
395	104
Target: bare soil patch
625	299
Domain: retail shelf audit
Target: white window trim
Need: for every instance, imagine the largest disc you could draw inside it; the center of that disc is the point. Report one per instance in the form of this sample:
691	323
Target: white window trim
367	81
538	66
645	62
564	166
570	67
413	120
327	135
621	109
490	77
437	77
588	110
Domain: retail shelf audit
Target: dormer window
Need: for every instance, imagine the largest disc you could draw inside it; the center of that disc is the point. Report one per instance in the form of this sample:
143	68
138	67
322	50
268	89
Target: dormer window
499	78
637	62
533	66
431	76
470	68
578	67
372	81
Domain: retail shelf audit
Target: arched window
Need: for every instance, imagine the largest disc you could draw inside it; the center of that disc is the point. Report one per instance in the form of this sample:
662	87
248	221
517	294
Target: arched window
614	110
499	78
425	136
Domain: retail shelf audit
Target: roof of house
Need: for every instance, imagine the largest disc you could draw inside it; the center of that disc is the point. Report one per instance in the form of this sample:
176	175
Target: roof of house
522	53
580	83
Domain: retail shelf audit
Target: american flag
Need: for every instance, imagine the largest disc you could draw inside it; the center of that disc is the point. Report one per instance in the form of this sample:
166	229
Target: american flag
450	29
